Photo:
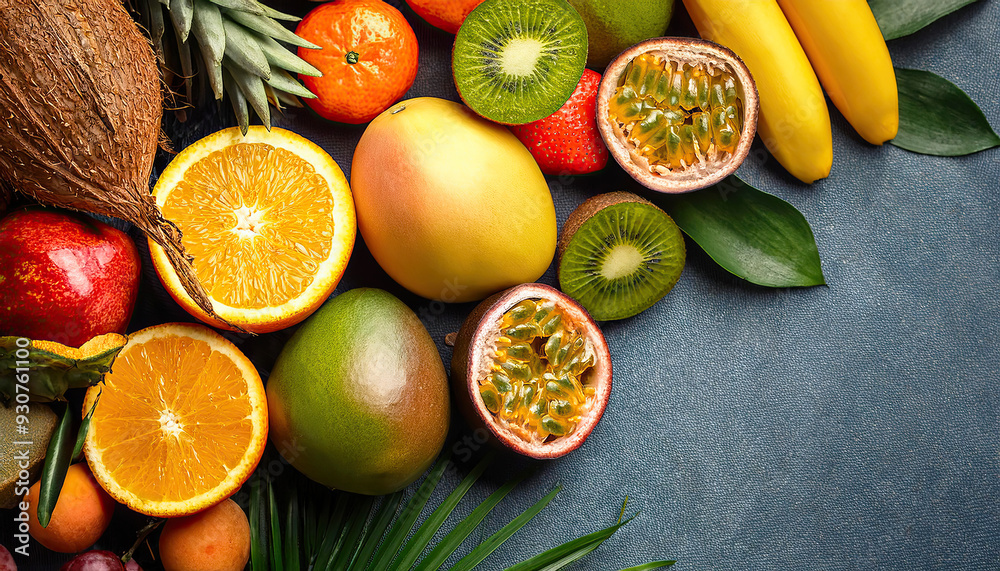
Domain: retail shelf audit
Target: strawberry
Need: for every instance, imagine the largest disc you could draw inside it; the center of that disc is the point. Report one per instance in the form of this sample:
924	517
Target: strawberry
567	142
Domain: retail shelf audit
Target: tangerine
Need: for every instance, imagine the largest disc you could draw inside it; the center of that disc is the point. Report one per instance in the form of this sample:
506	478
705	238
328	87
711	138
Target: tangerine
368	57
445	14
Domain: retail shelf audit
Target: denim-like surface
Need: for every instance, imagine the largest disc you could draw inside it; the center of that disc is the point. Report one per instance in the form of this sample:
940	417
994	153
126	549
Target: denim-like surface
853	426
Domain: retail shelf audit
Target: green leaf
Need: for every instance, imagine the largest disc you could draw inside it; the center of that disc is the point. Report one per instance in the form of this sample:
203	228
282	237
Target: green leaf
752	234
938	118
258	526
447	546
81	434
569	552
651	565
415	546
401	528
484	549
374	533
898	18
276	558
292	523
353	533
57	459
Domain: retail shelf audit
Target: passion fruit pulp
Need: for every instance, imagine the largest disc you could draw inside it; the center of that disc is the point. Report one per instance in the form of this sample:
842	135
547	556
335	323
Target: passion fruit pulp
532	367
678	114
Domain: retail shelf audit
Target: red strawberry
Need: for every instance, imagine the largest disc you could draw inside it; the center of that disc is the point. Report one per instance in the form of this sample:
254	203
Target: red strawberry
567	142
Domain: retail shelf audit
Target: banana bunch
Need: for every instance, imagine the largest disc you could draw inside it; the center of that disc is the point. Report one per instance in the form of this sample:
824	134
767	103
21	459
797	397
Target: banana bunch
236	49
786	44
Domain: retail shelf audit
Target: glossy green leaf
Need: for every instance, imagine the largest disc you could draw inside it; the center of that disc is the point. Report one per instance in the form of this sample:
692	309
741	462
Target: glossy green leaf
752	234
374	533
81	433
57	460
898	18
938	118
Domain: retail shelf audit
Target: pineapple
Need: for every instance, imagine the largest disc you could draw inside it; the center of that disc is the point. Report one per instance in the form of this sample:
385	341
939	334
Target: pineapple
234	44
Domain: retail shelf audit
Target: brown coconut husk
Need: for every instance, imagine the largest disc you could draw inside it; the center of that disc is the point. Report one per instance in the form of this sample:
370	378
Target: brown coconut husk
81	101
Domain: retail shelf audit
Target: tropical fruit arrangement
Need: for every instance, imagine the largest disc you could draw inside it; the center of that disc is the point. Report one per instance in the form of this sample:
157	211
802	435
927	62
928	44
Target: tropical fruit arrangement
250	230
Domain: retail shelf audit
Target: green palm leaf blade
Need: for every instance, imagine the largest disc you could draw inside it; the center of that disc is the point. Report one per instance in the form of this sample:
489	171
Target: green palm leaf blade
484	549
416	545
571	551
276	547
353	534
330	532
408	517
256	525
447	546
292	523
268	27
374	532
650	565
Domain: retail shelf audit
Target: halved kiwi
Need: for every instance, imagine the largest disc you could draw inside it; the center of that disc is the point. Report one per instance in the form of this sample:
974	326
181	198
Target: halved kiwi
618	255
518	61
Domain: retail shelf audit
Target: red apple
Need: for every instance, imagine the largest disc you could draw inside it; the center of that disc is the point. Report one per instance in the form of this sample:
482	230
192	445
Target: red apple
65	277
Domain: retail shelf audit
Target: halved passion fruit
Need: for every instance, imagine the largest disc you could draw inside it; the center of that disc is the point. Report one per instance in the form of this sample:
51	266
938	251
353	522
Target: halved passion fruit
533	367
678	114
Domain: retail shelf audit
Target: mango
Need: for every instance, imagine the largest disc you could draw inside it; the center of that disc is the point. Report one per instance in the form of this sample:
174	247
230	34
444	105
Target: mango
452	206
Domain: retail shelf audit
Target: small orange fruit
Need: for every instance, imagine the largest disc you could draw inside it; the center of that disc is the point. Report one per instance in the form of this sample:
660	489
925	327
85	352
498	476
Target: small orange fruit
181	421
445	14
368	58
269	219
82	513
217	539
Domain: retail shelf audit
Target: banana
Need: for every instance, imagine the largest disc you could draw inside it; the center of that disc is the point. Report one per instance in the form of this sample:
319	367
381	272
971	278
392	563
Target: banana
794	121
846	48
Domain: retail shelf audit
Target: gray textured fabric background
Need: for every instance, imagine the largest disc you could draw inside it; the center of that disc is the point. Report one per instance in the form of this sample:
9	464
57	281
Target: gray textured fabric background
853	426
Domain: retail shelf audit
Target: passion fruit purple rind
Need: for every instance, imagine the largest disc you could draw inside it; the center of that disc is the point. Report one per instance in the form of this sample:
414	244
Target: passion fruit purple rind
678	114
533	368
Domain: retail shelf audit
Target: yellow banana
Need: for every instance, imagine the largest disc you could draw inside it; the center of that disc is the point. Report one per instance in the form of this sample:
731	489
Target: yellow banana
794	121
846	48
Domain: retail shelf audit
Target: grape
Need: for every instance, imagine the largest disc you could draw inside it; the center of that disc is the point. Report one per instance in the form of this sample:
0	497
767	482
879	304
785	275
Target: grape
94	561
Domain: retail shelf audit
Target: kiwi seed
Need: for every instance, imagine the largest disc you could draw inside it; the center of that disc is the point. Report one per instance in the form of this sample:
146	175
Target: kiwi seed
518	61
618	255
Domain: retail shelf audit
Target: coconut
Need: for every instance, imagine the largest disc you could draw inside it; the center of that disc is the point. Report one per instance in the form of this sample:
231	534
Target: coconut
81	101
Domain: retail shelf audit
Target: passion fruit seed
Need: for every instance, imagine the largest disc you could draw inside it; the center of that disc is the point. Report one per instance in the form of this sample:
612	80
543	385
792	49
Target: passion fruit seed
536	386
675	114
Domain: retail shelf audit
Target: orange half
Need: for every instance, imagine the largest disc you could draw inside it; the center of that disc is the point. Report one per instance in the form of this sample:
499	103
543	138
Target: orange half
180	422
269	219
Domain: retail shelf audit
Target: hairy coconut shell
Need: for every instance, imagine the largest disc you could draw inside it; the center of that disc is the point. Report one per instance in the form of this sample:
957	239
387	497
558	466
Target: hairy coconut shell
81	101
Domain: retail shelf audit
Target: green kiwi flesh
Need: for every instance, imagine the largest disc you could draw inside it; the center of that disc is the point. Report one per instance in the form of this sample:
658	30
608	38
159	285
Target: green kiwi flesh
618	255
518	61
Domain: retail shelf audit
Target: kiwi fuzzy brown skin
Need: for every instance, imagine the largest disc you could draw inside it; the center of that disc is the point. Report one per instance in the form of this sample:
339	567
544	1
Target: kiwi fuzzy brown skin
582	214
638	167
474	346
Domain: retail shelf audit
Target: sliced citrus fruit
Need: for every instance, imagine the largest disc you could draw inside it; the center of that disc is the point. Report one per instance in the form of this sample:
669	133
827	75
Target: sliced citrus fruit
180	422
269	219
